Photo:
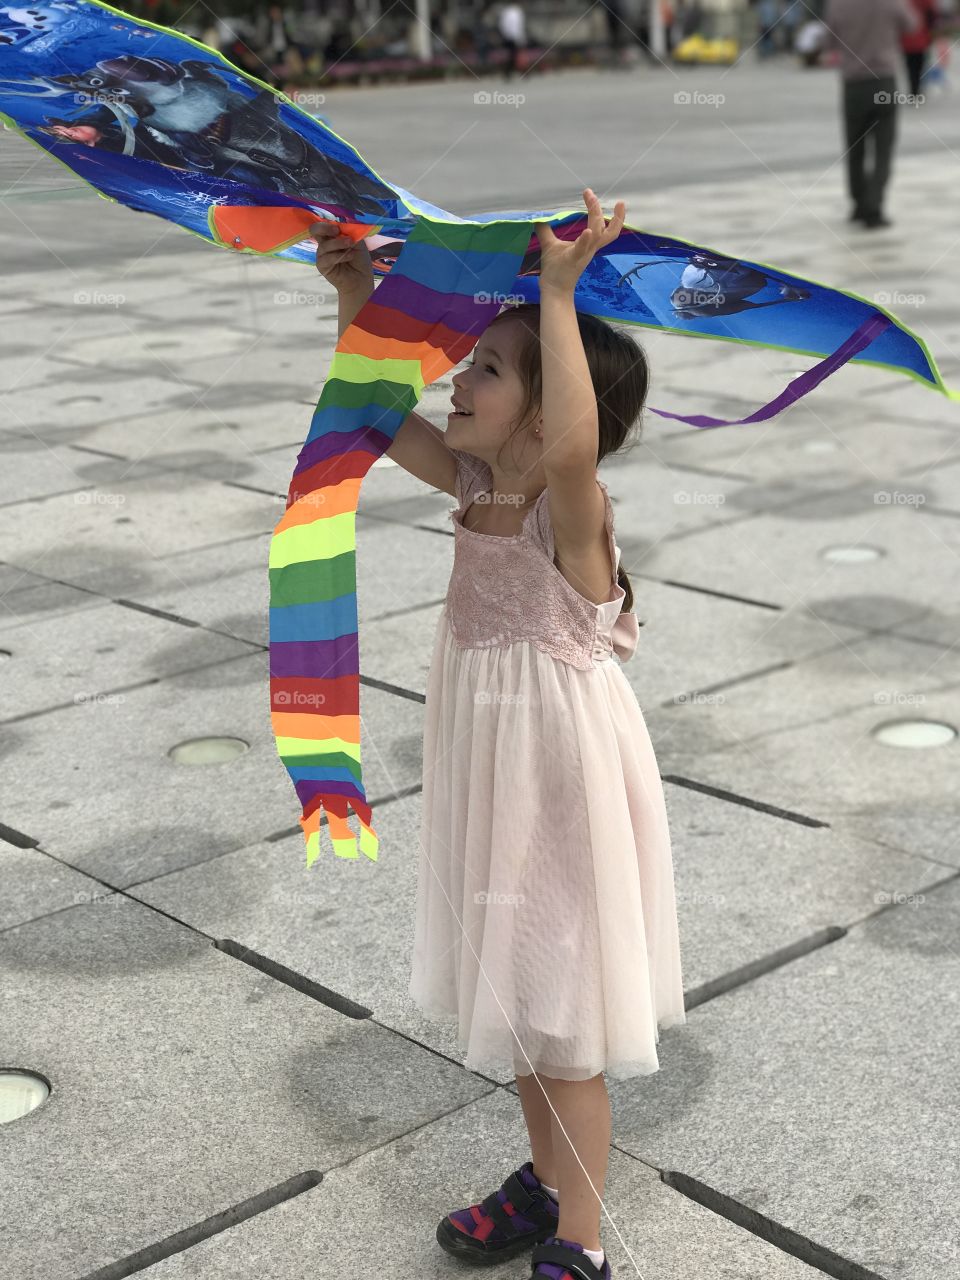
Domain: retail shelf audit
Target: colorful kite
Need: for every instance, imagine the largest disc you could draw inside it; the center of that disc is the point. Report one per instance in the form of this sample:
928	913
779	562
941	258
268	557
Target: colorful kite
158	122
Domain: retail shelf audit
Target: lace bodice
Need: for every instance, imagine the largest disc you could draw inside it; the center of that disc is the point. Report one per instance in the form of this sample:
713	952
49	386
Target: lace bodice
507	589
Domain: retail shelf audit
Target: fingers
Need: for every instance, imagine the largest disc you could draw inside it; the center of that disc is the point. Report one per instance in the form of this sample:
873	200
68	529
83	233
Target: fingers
332	245
594	212
333	252
327	233
616	222
596	220
594	235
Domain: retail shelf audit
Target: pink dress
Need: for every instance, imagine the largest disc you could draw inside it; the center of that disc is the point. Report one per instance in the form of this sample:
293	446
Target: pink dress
546	921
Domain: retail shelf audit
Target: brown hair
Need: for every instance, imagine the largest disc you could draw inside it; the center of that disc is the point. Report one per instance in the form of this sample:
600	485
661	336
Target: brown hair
620	375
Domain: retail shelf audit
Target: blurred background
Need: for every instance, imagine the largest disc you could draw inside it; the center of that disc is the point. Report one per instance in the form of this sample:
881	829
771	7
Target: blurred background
331	41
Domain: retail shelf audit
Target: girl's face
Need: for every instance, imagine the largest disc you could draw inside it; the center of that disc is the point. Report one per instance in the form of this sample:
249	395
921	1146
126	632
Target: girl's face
492	393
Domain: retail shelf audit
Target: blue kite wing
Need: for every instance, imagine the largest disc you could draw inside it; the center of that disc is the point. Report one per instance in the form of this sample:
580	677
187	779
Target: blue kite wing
660	282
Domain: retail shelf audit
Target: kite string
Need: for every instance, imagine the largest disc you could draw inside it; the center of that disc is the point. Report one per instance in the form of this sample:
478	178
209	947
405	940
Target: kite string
396	791
536	1077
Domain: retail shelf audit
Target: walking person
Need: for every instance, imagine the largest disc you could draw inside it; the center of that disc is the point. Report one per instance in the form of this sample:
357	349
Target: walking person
669	11
795	13
866	34
277	43
481	36
916	44
617	31
768	16
512	25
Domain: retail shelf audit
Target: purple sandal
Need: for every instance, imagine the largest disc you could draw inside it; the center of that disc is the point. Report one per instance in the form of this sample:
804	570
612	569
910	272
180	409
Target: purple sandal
558	1259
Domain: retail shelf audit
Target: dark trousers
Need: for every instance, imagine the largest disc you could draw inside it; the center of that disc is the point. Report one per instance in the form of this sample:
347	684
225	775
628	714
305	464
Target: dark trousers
916	65
870	115
513	51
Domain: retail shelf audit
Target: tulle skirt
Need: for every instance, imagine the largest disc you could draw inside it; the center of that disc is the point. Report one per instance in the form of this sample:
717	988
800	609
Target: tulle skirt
546	921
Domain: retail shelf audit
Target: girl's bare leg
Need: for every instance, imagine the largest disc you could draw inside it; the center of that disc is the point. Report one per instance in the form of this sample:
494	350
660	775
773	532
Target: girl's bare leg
584	1110
536	1112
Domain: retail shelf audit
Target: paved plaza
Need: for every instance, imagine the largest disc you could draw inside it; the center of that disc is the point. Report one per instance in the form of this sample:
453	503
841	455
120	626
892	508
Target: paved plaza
241	1087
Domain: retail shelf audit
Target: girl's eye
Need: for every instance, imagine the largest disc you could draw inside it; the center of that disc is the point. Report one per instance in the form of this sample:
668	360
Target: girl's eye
486	366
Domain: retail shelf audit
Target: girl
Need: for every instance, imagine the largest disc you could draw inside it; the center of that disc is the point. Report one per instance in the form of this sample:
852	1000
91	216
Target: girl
546	915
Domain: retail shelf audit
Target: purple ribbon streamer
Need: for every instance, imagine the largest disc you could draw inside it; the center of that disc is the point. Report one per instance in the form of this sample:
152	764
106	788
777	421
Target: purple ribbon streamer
800	386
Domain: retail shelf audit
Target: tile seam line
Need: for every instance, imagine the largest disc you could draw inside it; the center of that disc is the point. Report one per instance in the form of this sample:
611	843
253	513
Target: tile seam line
707	591
731	682
744	974
748	676
285	974
767	735
31	844
254	650
347	1164
747	802
785	1239
286	834
188	1237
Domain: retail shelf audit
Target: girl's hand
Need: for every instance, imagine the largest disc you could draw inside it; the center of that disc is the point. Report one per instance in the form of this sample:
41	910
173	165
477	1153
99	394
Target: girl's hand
562	261
343	262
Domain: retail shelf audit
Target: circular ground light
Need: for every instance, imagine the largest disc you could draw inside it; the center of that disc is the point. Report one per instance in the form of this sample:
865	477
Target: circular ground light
914	733
855	553
20	1092
208	750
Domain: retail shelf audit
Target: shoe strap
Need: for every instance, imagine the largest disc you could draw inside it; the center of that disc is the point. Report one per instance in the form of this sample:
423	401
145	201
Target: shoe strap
578	1264
494	1209
517	1193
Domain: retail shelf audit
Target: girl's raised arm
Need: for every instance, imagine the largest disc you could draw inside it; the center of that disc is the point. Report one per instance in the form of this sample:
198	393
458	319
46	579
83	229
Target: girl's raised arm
418	446
569	402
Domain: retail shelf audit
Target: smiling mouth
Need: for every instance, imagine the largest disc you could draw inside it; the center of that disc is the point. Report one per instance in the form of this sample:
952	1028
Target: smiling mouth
459	413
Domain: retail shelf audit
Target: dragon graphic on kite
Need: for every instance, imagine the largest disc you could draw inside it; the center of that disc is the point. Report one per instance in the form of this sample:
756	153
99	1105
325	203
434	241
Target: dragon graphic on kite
185	115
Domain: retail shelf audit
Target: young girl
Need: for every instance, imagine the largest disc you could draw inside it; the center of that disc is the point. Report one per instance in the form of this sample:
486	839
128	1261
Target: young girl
546	915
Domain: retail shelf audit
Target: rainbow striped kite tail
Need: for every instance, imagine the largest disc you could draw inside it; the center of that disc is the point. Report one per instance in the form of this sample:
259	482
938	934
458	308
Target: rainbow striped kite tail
345	843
